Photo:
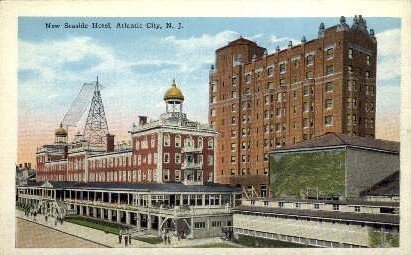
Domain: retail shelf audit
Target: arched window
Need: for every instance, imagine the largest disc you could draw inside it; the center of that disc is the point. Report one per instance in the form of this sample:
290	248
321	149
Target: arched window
177	141
200	142
166	140
188	142
211	143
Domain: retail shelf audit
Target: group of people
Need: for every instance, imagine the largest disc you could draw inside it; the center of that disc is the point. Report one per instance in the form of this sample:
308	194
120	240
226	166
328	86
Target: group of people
166	238
127	239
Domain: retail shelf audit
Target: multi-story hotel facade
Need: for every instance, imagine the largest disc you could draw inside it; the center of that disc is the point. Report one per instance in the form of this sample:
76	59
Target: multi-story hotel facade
260	102
170	149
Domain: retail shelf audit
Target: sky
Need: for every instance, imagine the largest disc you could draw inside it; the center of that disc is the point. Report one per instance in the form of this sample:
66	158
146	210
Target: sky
137	65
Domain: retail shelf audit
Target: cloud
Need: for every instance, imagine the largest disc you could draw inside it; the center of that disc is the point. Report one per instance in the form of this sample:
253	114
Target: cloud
389	55
275	39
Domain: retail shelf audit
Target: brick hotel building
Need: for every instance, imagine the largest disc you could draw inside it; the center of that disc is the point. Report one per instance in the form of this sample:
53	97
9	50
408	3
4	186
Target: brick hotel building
260	102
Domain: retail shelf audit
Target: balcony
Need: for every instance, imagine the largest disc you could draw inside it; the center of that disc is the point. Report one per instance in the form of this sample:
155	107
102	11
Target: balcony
191	165
191	150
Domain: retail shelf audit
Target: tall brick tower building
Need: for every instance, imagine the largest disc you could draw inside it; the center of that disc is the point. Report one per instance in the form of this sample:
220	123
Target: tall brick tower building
261	102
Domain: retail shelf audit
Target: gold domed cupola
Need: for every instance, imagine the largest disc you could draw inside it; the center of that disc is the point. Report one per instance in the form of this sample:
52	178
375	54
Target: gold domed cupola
61	134
174	93
61	131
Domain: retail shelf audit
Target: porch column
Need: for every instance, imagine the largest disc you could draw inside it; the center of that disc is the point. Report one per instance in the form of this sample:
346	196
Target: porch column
109	214
109	197
160	221
102	213
118	216
138	220
192	226
127	218
87	211
148	222
203	198
94	212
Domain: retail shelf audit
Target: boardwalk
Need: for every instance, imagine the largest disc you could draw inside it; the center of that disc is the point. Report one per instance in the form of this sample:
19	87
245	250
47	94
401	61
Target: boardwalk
33	235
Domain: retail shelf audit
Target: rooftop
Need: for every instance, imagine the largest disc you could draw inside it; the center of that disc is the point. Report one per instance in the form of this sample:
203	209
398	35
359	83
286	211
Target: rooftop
147	187
345	140
331	215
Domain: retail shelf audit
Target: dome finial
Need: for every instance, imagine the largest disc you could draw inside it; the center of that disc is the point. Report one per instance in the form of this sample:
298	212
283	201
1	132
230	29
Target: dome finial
174	83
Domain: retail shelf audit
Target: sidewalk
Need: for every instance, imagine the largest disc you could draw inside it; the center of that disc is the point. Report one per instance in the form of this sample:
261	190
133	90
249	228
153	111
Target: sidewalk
108	239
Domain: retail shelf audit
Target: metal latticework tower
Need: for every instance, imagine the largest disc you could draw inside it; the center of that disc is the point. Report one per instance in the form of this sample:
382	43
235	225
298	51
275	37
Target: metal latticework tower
96	128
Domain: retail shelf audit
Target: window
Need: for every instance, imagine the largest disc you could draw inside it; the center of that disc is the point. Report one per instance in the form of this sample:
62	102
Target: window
295	94
214	87
357	209
216	223
329	70
200	142
329	53
305	90
305	123
233	146
352	86
282	82
316	206
310	60
270	85
329	120
199	225
233	120
210	160
350	53
351	119
212	112
166	157
309	75
297	205
233	107
281	204
177	158
232	159
329	103
177	175
166	140
368	58
166	175
351	103
233	94
306	106
248	78
367	74
214	99
282	68
336	207
279	96
295	79
270	71
329	87
177	140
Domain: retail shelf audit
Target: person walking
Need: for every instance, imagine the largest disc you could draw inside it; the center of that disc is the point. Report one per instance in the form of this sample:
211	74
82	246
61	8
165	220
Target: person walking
125	241
45	217
129	238
168	240
119	238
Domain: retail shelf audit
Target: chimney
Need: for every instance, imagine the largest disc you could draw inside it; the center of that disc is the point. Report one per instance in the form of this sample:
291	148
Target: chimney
142	120
110	143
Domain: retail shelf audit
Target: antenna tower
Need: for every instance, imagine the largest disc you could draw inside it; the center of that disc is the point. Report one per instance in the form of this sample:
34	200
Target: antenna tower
96	128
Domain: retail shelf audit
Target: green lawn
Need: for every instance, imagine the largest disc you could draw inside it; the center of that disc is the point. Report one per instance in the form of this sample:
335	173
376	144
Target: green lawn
251	241
108	227
149	239
213	245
